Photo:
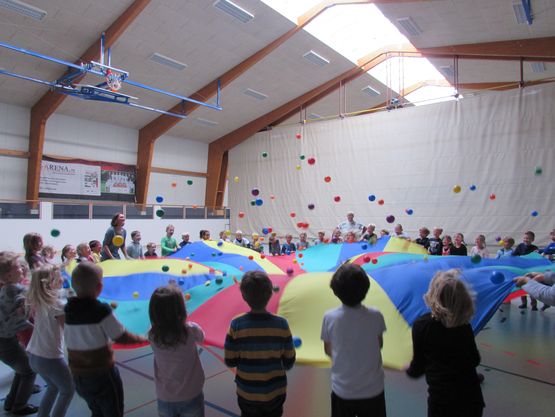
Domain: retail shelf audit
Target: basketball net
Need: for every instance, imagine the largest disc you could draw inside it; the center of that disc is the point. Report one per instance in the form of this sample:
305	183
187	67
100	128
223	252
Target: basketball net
113	81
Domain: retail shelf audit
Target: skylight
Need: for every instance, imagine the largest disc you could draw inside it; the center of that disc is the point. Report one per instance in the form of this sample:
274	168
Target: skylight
357	30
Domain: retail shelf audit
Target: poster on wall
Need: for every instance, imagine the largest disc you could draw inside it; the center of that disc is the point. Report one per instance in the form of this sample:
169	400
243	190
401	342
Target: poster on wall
89	180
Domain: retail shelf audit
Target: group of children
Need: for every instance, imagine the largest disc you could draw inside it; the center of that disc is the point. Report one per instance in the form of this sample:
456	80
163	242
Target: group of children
259	344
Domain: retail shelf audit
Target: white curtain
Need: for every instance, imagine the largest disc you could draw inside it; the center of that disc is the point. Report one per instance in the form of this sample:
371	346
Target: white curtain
411	158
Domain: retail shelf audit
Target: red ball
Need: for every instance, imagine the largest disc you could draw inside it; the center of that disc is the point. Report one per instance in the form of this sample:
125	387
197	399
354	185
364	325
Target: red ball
241	214
262	256
300	224
374	261
380	202
270	230
251	257
298	136
300	255
311	161
492	197
292	214
327	179
366	258
305	226
337	199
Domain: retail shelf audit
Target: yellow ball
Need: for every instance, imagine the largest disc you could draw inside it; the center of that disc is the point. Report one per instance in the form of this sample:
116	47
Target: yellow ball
236	179
228	232
501	242
118	240
298	167
136	294
457	189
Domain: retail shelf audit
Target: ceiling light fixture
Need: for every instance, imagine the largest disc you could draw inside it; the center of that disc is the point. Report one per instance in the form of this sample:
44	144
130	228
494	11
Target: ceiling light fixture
205	122
23	9
169	62
523	12
316	59
409	26
233	10
255	94
372	92
538	66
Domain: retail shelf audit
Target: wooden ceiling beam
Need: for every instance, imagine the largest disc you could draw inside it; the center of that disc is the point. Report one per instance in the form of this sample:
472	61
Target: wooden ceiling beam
50	101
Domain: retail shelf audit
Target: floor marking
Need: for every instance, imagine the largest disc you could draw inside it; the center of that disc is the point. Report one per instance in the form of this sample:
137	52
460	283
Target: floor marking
138	357
541	381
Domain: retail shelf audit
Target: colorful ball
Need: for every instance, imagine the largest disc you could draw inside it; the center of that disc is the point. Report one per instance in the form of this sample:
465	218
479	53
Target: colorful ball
538	170
302	157
219	281
337	199
253	202
457	189
298	136
371	197
272	197
220	243
174	184
187	296
366	258
135	294
492	197
290	271
255	191
165	268
159	199
390	218
236	179
189	182
409	211
240	215
297	342
374	261
534	213
264	154
472	187
497	277
259	202
298	167
265	231
114	305
275	288
311	161
311	206
292	214
476	259
118	240
160	212
54	233
381	201
327	179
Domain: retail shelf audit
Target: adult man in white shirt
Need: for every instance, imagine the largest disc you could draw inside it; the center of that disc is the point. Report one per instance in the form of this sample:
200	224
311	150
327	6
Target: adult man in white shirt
350	225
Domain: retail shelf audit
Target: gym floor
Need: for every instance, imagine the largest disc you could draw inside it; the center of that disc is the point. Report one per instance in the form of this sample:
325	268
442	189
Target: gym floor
517	361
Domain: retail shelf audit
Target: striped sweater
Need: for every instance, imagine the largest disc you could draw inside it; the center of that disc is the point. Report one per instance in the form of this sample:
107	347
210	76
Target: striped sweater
261	347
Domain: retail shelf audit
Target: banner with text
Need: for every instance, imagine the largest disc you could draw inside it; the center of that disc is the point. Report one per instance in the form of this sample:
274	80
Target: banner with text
90	180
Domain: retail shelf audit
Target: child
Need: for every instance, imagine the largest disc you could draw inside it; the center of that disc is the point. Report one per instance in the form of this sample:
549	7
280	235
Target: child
84	253
303	243
480	248
522	249
135	250
458	247
224	235
151	250
422	239
273	245
350	237
549	250
436	245
256	244
96	248
384	232
288	246
204	235
261	382
370	235
446	245
240	240
507	249
89	327
321	238
168	242
445	351
68	254
357	376
336	237
45	349
184	240
32	243
399	232
178	373
48	253
13	319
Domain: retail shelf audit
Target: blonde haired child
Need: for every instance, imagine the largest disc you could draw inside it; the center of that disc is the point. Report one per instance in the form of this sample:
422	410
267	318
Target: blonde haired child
45	349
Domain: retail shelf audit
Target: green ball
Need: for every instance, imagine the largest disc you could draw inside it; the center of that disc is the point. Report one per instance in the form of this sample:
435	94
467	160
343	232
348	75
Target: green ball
189	182
219	281
160	212
476	259
165	268
264	154
302	157
538	171
275	288
54	233
253	202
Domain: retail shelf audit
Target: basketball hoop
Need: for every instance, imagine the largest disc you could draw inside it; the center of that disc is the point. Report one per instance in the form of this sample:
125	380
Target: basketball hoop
113	81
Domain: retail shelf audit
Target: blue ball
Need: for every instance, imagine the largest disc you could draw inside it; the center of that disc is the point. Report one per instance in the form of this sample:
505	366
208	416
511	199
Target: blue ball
288	252
364	247
220	243
265	231
159	199
259	202
409	212
497	277
371	197
534	213
65	284
472	187
297	342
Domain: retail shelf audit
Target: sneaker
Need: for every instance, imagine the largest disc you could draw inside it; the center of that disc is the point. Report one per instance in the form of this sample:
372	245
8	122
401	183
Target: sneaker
523	306
545	307
534	308
25	411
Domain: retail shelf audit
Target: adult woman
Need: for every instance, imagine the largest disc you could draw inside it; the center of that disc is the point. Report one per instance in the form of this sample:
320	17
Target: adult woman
114	239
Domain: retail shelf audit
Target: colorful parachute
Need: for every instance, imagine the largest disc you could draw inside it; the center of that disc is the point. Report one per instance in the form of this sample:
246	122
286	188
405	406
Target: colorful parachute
399	271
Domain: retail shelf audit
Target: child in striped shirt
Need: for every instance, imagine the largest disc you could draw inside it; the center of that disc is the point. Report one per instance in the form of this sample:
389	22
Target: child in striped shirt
259	344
